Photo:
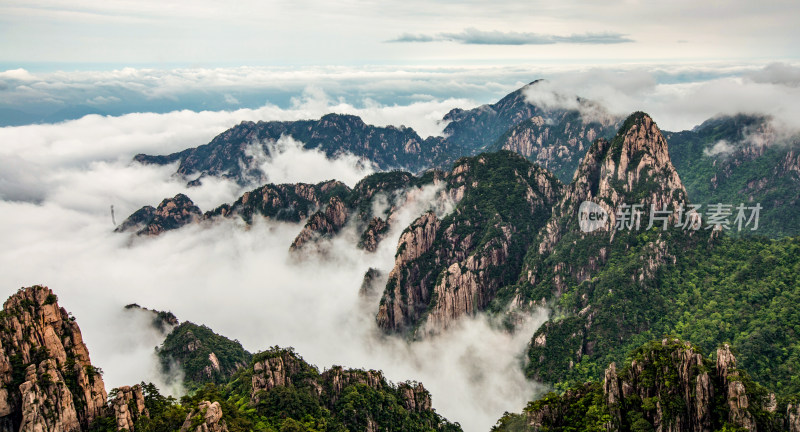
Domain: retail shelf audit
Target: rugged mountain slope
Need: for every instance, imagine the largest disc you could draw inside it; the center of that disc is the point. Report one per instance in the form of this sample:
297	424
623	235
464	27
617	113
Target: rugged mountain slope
326	208
357	399
231	154
556	140
665	386
278	390
632	169
284	202
614	290
201	355
512	123
743	159
572	268
49	382
171	213
452	267
370	206
479	127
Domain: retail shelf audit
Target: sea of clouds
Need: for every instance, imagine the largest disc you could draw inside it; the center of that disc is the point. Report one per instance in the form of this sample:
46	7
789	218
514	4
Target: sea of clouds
58	182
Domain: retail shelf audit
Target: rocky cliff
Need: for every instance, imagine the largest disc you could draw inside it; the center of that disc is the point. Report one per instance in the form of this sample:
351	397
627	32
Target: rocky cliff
452	267
667	386
201	355
325	207
557	142
50	385
127	406
49	382
323	224
206	418
568	264
171	213
362	399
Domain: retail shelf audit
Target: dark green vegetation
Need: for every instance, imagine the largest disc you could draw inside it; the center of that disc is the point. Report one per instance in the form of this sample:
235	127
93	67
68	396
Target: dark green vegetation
611	295
742	159
202	355
666	385
279	391
740	291
504	200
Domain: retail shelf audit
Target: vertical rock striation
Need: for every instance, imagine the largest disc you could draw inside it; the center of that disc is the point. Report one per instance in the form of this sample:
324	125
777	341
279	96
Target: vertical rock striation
49	382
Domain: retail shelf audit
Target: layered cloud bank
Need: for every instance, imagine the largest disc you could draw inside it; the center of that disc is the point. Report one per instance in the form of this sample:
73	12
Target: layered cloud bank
58	182
679	96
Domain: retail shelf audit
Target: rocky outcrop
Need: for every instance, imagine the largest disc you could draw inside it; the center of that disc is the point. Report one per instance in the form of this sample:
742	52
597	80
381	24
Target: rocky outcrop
468	286
127	405
377	229
49	382
137	221
633	168
619	182
793	417
475	129
206	418
404	301
415	397
326	208
284	202
649	378
171	214
201	355
666	386
558	142
732	386
337	378
370	284
47	403
280	368
284	368
323	224
451	267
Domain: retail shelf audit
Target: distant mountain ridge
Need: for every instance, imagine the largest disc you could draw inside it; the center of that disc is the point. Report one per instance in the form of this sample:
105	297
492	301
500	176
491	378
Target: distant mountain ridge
50	384
468	132
719	159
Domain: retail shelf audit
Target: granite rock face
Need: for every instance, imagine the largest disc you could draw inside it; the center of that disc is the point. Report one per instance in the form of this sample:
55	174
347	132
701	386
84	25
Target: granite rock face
666	386
210	419
171	213
128	406
454	266
49	382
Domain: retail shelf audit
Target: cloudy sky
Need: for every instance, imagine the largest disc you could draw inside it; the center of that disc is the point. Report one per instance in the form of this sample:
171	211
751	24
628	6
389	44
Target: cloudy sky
347	32
170	74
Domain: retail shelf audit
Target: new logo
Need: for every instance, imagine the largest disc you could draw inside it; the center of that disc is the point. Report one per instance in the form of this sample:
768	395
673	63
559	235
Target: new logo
591	216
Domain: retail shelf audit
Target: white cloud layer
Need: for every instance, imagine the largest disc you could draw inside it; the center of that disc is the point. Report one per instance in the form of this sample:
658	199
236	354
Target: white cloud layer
58	181
241	282
678	104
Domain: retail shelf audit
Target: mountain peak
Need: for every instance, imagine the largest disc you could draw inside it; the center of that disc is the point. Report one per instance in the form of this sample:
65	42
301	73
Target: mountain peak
634	165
